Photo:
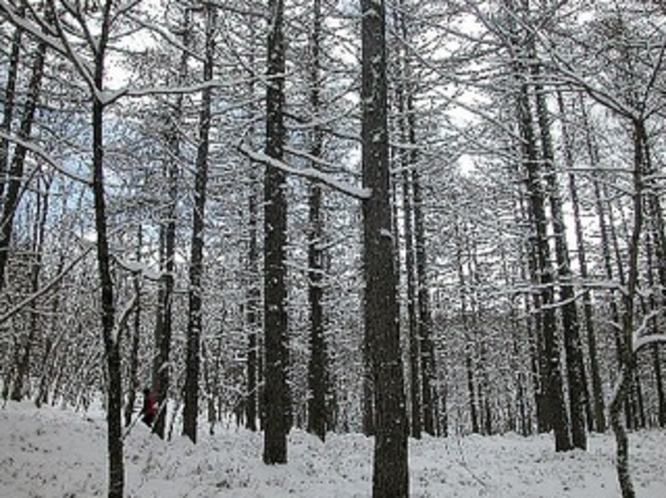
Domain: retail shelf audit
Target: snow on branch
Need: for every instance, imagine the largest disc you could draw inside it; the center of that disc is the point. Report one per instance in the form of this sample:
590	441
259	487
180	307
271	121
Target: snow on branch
640	338
641	342
124	317
29	27
39	151
138	267
28	300
309	173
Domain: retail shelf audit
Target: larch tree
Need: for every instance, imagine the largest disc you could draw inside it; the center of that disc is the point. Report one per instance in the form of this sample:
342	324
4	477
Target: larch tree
390	466
318	361
196	290
276	392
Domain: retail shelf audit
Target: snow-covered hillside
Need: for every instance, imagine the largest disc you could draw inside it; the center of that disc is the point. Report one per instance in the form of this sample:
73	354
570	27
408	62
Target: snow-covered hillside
57	453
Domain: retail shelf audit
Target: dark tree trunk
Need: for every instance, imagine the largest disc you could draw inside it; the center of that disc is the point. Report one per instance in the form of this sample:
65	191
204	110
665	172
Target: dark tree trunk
627	354
465	315
252	314
551	370
253	396
599	411
37	247
616	317
390	469
8	106
428	392
578	396
110	334
412	310
161	375
533	324
656	233
15	180
276	395
318	363
194	321
133	375
403	97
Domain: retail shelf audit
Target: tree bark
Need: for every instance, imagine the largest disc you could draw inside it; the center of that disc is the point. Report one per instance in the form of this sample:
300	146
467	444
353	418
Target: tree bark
15	180
599	411
277	397
194	321
9	104
390	467
161	375
318	362
551	372
573	347
133	375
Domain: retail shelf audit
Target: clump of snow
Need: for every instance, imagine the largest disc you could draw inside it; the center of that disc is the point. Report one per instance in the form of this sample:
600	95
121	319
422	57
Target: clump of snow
52	452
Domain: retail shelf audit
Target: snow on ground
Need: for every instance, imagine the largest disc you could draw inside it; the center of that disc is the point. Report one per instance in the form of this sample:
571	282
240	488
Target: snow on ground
54	452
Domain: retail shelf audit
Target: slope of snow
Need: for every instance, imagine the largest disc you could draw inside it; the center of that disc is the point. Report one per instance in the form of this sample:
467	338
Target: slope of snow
57	453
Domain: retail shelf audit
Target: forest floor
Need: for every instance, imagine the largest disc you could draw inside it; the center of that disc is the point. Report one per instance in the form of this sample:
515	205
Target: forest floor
52	452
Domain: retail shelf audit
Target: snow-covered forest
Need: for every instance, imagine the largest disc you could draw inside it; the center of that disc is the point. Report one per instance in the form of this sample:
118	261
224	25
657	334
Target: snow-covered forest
393	225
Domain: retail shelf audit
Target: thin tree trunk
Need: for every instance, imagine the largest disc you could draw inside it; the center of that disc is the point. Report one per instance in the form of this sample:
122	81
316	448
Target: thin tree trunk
9	104
194	321
37	248
599	411
551	373
578	397
16	169
465	315
253	402
628	357
133	375
110	334
318	363
161	375
428	371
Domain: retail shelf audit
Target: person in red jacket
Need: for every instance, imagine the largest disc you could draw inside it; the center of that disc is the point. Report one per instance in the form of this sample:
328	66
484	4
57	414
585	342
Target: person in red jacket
148	410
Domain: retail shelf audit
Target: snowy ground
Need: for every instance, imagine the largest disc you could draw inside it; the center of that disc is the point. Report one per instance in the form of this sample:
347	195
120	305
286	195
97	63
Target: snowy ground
57	453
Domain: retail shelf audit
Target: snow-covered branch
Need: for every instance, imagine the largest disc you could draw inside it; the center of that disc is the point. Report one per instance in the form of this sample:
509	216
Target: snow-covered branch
44	289
30	27
648	339
310	173
40	152
124	317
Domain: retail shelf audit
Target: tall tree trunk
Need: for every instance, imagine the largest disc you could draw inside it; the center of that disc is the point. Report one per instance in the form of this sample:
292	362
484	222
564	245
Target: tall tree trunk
318	363
194	320
252	313
599	411
9	104
161	375
573	347
551	372
428	391
277	397
405	158
657	233
134	384
36	256
15	180
110	334
465	314
253	398
621	277
390	468
628	357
